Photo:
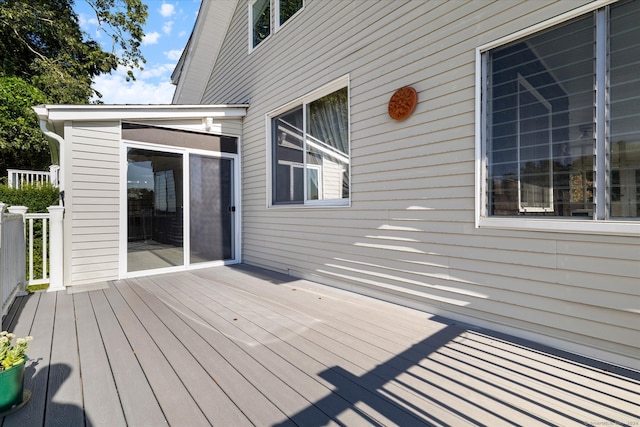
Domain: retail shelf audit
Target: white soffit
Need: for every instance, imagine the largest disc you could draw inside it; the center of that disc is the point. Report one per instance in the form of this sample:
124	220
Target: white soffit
100	112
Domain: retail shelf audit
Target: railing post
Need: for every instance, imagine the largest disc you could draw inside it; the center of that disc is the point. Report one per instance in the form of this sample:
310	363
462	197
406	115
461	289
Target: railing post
56	247
22	210
2	285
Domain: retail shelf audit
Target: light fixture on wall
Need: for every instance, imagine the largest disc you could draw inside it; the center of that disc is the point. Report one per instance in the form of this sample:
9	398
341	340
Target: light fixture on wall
208	123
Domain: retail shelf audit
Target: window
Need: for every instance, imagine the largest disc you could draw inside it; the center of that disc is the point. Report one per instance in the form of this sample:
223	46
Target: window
260	13
560	120
286	9
260	21
310	149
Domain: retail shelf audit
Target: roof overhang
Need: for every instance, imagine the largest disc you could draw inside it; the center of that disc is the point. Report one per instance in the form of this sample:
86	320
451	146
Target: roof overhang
102	112
199	56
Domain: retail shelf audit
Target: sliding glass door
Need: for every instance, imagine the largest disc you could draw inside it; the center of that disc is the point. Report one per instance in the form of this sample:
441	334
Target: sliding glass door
180	208
211	209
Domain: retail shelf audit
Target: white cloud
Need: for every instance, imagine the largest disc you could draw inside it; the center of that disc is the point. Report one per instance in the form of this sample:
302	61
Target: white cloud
158	71
87	21
151	38
167	10
147	89
173	55
167	27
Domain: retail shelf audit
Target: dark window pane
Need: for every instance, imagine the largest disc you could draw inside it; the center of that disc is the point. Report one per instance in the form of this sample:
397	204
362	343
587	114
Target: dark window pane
261	25
154	205
624	109
288	157
540	140
288	8
211	201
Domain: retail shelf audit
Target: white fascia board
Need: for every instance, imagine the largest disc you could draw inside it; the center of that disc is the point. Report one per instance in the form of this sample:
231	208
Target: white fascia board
201	52
98	112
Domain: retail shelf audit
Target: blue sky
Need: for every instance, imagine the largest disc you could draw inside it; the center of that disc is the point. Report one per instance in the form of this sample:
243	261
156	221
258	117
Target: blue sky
167	31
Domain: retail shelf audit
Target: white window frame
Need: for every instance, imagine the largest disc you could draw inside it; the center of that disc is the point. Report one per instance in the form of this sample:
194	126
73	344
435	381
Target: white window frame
534	92
250	25
274	20
276	11
597	225
337	84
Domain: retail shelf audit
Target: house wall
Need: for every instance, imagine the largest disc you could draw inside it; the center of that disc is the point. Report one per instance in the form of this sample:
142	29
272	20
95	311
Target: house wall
409	235
92	193
92	202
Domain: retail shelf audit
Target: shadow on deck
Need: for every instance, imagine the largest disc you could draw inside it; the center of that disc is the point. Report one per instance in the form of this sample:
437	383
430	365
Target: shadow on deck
237	346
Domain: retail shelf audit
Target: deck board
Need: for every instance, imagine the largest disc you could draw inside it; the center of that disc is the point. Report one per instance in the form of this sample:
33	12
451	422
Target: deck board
285	361
255	405
173	397
240	346
138	401
99	388
331	357
64	408
202	389
37	369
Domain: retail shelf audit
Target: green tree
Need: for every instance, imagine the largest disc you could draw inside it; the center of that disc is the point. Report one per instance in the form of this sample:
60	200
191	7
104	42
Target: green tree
22	144
41	42
47	58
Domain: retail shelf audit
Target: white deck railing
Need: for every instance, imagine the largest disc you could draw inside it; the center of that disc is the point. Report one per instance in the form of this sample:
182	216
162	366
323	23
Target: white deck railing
30	251
16	178
37	245
44	243
12	257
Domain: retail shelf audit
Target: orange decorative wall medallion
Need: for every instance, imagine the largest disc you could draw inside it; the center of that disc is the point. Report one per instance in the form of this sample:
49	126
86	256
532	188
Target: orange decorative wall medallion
402	103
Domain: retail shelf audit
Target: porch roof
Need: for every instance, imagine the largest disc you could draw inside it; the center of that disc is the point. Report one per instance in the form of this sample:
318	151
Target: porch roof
101	112
242	346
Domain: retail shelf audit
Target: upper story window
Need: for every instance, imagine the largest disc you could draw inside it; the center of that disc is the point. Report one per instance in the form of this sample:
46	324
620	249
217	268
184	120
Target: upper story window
286	9
260	21
263	12
310	149
560	121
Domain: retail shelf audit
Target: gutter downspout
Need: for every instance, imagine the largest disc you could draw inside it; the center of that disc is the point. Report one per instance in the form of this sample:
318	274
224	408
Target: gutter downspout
60	141
56	227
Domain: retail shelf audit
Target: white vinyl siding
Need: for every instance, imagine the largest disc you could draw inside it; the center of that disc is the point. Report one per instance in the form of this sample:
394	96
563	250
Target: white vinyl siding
92	197
409	235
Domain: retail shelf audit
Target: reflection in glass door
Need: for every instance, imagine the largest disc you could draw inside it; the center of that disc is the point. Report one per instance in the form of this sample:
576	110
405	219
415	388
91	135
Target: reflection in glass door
211	209
154	207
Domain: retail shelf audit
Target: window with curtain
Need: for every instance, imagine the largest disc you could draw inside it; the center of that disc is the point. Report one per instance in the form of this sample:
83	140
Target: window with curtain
310	151
561	114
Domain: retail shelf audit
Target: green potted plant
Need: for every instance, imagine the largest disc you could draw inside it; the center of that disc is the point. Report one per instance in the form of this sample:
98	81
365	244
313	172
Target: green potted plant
12	361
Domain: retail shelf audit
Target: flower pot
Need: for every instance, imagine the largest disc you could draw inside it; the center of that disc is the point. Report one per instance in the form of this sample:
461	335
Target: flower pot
11	387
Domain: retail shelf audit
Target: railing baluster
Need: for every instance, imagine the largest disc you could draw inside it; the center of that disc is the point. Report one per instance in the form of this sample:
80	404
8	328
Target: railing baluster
45	242
17	178
30	245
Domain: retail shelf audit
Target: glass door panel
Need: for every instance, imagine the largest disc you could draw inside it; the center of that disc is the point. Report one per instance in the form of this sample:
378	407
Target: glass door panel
154	207
211	209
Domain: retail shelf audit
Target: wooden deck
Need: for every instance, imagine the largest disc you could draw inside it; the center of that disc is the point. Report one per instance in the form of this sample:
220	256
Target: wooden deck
236	346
